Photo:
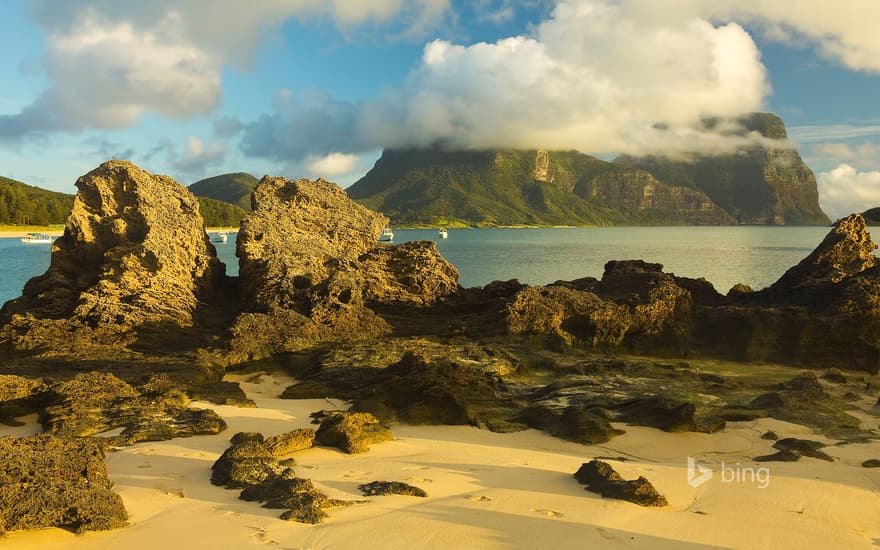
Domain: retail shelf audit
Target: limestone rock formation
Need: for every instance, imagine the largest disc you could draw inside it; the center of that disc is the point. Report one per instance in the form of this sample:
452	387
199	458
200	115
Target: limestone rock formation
290	442
48	481
600	477
792	449
350	432
635	306
823	312
382	488
251	466
846	252
95	402
310	265
134	260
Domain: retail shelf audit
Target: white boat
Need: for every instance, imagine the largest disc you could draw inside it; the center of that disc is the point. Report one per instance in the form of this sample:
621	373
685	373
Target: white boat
220	237
387	235
443	234
36	238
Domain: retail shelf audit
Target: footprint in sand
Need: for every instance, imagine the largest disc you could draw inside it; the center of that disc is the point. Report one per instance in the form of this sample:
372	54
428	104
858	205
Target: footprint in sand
550	513
261	535
478	498
171	492
419	480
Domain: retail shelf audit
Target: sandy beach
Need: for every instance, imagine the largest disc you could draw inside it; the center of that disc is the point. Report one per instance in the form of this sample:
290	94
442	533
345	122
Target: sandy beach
488	490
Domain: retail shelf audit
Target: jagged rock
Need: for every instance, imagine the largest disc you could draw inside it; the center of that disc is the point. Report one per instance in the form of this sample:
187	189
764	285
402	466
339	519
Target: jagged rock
382	488
242	437
290	442
834	375
587	425
19	396
246	462
823	312
250	466
792	449
845	252
600	477
94	402
740	289
415	389
709	424
350	432
411	273
48	481
635	306
134	265
659	412
310	265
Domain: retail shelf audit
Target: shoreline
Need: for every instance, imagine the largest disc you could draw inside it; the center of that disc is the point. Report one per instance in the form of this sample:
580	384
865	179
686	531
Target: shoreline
486	490
8	232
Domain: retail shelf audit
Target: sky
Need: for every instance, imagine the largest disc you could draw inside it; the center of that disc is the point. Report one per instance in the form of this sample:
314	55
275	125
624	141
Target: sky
317	88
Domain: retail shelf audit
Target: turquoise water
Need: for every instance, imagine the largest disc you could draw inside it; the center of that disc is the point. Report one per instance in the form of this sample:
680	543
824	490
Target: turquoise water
756	256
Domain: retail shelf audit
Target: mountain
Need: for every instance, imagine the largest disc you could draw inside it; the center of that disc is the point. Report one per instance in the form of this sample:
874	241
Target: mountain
220	214
761	184
872	216
235	188
22	204
487	188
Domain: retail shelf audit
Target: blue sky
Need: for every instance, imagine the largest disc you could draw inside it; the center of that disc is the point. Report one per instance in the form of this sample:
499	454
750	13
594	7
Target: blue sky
308	88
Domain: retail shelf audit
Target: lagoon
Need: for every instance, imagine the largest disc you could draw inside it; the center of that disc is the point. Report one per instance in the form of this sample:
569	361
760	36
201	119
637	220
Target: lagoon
754	255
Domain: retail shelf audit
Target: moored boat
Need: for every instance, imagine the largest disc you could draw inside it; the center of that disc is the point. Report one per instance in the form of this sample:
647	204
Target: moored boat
219	237
387	235
36	238
443	234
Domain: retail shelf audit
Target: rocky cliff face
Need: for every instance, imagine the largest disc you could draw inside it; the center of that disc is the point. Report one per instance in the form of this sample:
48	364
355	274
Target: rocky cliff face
510	187
761	184
311	265
134	256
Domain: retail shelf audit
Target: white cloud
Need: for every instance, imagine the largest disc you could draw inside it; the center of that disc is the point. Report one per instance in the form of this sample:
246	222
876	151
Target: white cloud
198	156
591	77
844	32
845	190
334	164
110	61
862	156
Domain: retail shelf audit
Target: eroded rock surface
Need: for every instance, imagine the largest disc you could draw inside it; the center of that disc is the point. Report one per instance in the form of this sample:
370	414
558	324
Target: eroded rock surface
792	449
310	267
134	263
600	477
350	432
48	481
93	403
251	466
382	488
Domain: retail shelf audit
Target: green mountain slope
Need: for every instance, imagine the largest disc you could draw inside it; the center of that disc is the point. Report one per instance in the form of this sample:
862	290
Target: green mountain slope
233	188
220	214
872	216
759	185
486	188
22	204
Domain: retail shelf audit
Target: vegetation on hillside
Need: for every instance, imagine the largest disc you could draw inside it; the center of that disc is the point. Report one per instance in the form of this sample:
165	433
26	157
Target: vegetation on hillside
22	204
763	184
235	188
220	214
497	188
